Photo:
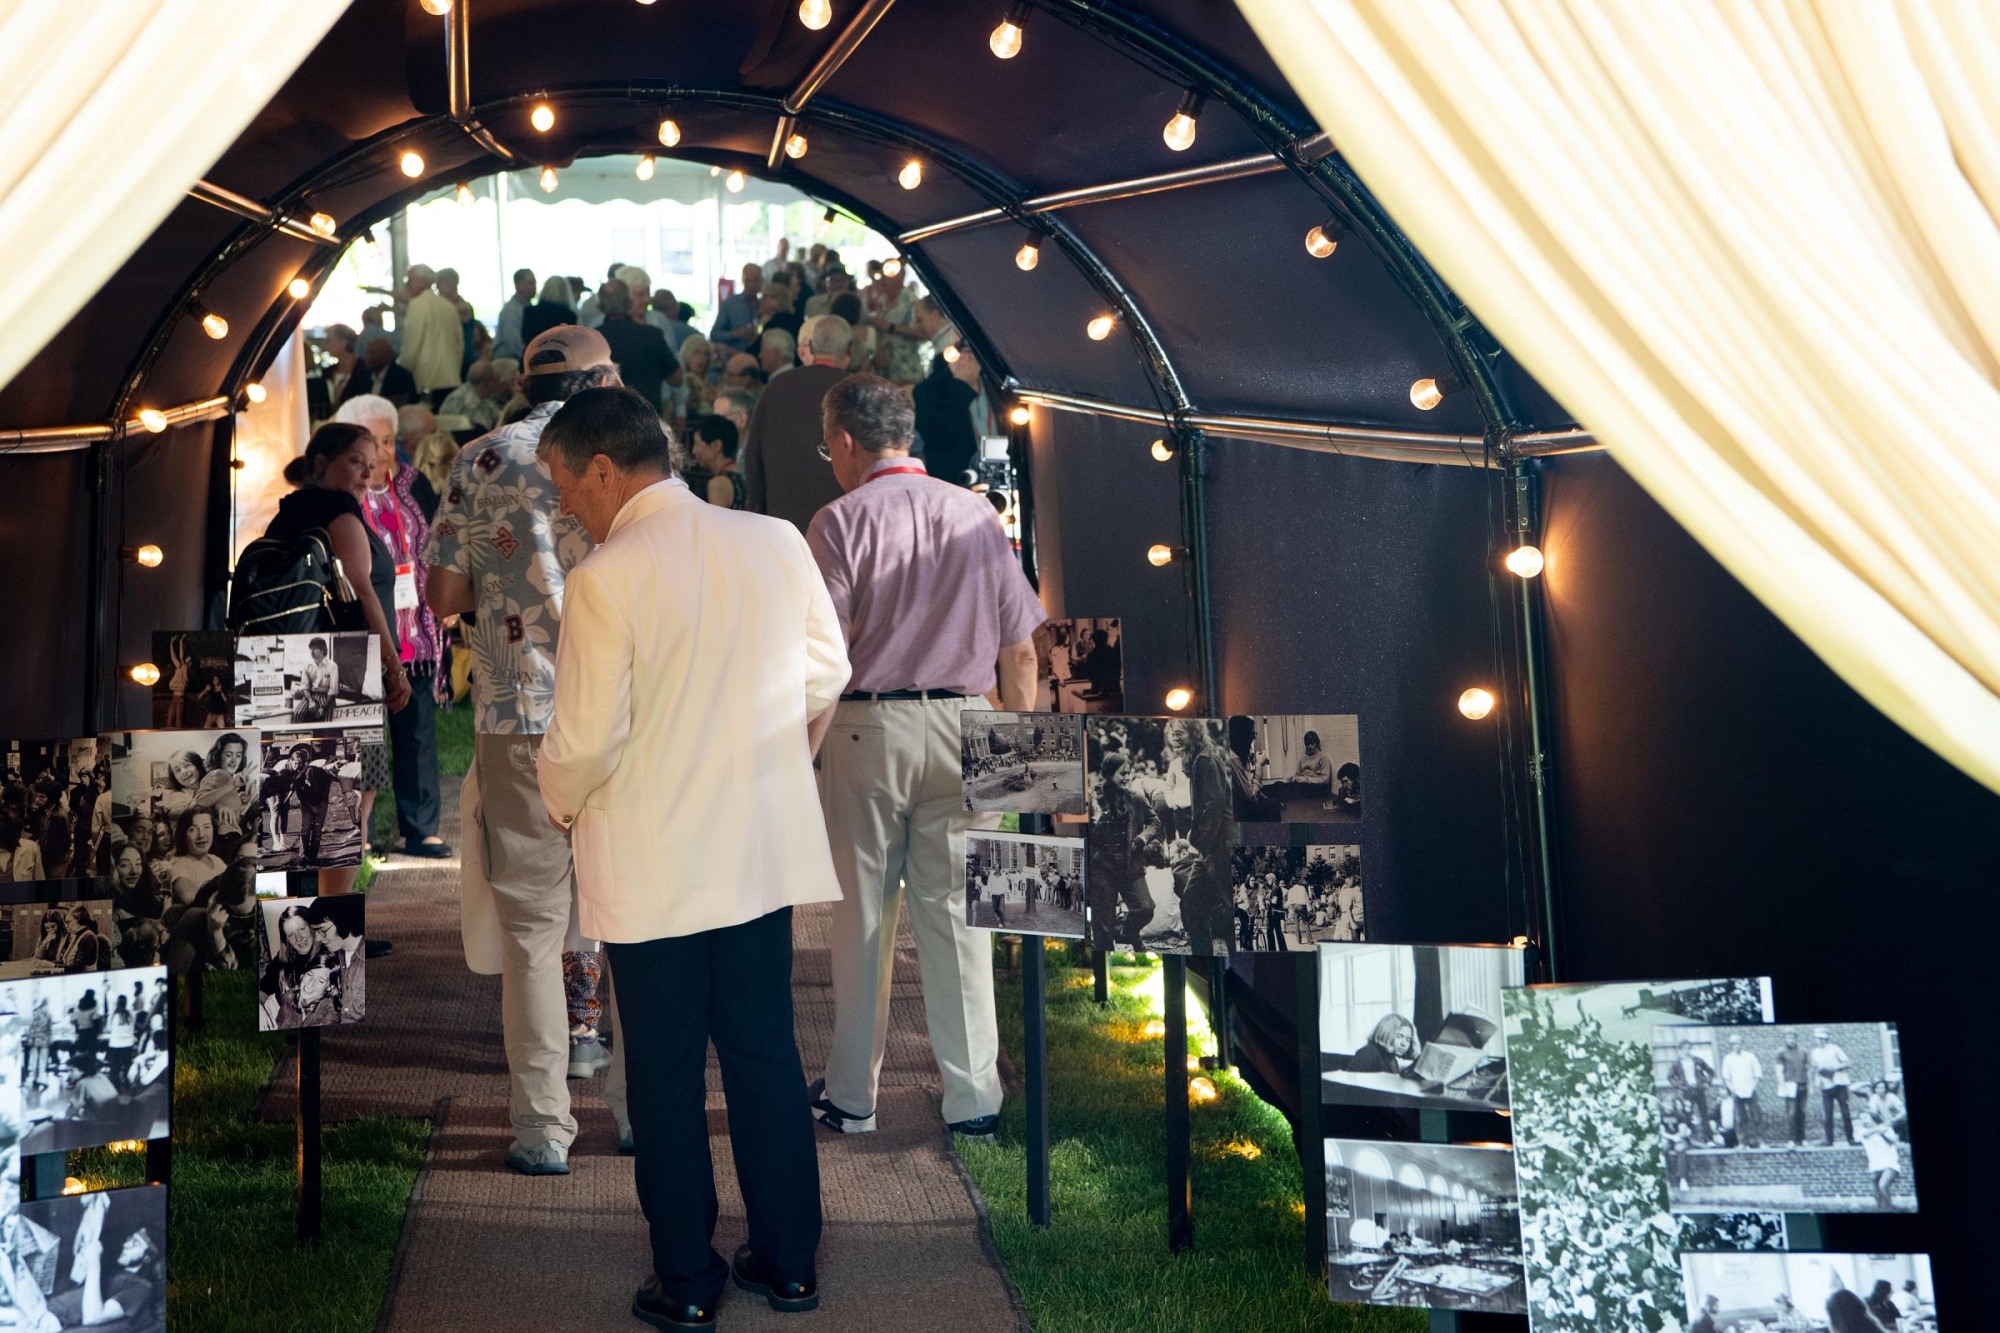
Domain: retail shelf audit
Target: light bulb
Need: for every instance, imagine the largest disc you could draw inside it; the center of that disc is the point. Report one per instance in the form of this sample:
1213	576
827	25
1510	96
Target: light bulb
714	172
548	180
1162	451
322	224
825	227
1006	39
795	146
1021	415
1476	703
1159	554
1525	560
148	555
1202	1089
144	673
815	14
464	192
1425	394
912	174
1179	132
1100	328
412	163
644	171
255	392
438	7
153	419
670	133
298	289
215	326
1178	698
543	117
951	355
736	181
1029	255
1322	240
891	267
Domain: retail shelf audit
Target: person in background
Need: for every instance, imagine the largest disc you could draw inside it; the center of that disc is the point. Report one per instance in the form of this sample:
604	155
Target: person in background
1391	1048
736	318
479	399
1832	1075
776	352
557	306
644	363
784	465
1691	1077
1883	1164
372	330
738	405
690	398
1847	1313
666	317
1704	1320
836	282
781	257
848	306
895	319
944	400
1786	1317
1793	1070
937	615
433	335
507	339
1740	1074
380	376
587	312
328	385
714	449
470	330
778	311
741	371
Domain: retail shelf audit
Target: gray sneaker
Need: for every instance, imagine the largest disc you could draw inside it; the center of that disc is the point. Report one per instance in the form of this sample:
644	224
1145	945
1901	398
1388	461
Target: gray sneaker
549	1159
587	1055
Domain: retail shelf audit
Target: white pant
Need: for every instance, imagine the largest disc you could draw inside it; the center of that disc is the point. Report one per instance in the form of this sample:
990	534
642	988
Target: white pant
895	813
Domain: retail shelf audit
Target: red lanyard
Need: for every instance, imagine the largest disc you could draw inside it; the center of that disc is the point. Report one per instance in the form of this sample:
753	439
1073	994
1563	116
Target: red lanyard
892	471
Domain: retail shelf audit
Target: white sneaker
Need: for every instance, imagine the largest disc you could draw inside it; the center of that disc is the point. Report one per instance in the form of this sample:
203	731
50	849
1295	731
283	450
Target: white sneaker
833	1117
586	1056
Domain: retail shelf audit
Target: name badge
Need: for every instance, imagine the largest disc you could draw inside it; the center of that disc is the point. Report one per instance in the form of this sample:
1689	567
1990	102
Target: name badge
406	587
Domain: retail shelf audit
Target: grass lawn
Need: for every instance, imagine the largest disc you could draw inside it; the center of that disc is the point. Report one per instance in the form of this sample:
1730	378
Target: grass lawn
1102	1266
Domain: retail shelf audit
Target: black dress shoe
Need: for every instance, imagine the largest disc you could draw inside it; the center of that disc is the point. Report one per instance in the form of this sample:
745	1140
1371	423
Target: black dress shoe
435	851
785	1297
662	1311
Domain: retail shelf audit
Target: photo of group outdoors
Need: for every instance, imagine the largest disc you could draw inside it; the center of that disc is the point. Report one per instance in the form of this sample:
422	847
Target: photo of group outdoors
1418	1224
1022	763
94	1058
1795	1293
1297	769
43	939
199	688
1023	884
310	962
1291	899
312	798
95	1261
1161	834
1414	1024
53	818
286	682
1080	666
1796	1118
1595	1227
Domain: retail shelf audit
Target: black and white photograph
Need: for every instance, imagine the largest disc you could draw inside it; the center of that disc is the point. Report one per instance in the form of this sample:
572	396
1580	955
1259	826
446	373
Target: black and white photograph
1022	884
1021	763
1798	1118
312	799
1587	1140
198	688
310	959
54	813
1291	899
95	1261
1436	1226
1415	1024
1791	1293
189	801
1296	768
1080	666
292	682
94	1058
50	939
1161	834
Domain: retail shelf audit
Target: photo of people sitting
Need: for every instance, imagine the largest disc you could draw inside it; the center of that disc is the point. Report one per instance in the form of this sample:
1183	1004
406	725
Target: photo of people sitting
1437	1226
1809	1293
1290	899
1296	768
1080	666
1414	1025
310	962
95	1261
1023	884
55	810
51	939
1021	763
93	1058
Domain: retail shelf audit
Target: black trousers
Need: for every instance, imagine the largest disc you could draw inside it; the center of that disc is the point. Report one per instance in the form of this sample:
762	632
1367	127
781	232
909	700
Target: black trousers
414	758
734	987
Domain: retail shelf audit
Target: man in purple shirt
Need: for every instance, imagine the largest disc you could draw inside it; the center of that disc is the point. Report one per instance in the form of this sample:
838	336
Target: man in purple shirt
938	616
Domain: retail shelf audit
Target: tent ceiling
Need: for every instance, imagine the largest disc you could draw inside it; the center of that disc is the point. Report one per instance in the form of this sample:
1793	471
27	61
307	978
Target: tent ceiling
1216	271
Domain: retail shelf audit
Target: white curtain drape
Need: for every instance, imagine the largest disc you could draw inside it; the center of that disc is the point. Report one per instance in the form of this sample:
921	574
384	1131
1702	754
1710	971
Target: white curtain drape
1752	244
110	110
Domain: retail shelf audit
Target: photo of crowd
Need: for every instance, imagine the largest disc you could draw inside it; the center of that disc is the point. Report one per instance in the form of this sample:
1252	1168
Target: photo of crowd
1291	899
54	939
1414	1024
95	1261
1806	1293
1022	763
310	962
312	803
1435	1226
198	688
290	682
1024	885
55	818
94	1058
1161	834
1080	666
1296	768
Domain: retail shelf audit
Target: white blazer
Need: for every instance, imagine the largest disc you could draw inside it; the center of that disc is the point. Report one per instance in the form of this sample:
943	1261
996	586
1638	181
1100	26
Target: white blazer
696	643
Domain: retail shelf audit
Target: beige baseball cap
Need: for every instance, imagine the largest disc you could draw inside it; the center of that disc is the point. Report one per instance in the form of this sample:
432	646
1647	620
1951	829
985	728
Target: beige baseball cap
564	348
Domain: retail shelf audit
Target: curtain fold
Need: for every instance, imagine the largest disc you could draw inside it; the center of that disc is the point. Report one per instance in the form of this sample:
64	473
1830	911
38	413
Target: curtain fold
1755	247
110	110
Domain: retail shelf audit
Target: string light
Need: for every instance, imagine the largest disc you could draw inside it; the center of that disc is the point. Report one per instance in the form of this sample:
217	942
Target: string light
322	224
951	355
795	147
1021	415
548	180
1178	698
543	117
1525	561
912	174
148	555
1476	703
1006	39
644	171
670	134
140	673
214	325
825	228
1179	132
1100	328
891	267
1159	555
255	392
1426	394
815	14
713	172
464	192
412	163
1162	451
438	8
736	181
1324	239
298	289
1029	255
153	419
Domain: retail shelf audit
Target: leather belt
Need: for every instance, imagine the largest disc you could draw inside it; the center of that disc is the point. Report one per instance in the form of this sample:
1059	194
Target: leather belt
879	696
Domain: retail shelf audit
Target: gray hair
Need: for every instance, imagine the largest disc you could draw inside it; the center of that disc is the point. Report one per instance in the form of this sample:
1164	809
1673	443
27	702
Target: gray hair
616	422
832	336
366	409
449	275
634	278
780	338
555	290
878	414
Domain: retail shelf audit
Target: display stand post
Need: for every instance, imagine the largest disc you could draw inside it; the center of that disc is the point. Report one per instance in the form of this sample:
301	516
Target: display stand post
1218	1010
1035	1025
1435	1127
1180	1217
160	1152
1100	971
1311	1134
309	1137
43	1174
191	1001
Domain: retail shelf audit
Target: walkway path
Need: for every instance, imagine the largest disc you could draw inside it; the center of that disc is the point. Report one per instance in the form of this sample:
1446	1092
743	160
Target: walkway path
485	1248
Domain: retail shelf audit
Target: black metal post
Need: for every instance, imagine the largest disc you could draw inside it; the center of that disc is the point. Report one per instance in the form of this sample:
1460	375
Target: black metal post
100	664
1180	1216
309	1138
160	1152
1311	1134
1536	702
1035	1025
1100	972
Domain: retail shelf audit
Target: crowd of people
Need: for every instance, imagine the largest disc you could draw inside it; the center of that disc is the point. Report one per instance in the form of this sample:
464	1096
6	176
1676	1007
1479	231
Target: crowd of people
94	1055
1284	900
54	821
1160	799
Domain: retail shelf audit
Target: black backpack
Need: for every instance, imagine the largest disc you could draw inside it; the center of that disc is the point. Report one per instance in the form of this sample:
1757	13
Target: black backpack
290	587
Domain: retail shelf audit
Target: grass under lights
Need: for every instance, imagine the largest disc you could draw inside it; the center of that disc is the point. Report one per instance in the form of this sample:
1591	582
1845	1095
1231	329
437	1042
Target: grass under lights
1102	1265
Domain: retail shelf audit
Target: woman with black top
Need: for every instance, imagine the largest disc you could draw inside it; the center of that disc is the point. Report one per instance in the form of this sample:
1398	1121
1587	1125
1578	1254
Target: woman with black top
555	307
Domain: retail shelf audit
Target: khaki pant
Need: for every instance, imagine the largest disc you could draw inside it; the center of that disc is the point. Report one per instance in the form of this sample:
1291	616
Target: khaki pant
534	887
895	814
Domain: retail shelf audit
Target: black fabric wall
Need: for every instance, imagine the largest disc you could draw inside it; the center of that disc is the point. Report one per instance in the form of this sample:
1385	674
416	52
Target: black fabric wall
1726	805
45	544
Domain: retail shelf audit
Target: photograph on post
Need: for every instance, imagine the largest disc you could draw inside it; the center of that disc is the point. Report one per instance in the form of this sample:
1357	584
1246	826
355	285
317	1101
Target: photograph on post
1587	1139
1431	1225
313	792
1797	1118
1414	1025
45	939
1080	666
1021	763
1161	834
94	1058
93	1261
294	682
310	961
1023	884
198	686
190	803
1296	768
1292	899
54	814
1751	1293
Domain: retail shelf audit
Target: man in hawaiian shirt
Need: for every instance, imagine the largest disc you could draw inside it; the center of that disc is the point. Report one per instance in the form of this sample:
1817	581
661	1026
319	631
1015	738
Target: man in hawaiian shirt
499	550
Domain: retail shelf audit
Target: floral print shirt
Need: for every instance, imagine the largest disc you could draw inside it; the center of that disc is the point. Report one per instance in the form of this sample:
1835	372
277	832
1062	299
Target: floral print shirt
498	525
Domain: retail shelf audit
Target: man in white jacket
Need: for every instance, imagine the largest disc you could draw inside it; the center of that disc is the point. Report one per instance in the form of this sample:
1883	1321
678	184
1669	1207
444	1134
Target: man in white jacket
700	661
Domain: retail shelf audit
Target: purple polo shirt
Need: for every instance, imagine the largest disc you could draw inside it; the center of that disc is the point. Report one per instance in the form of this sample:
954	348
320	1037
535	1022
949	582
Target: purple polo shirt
927	586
